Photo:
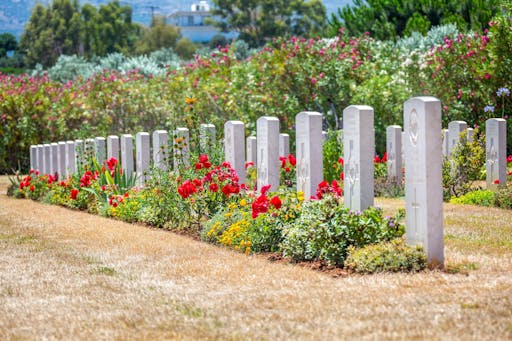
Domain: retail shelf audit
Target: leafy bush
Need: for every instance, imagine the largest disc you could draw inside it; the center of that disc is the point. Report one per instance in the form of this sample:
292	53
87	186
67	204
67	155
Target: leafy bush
333	155
392	256
326	229
503	196
476	197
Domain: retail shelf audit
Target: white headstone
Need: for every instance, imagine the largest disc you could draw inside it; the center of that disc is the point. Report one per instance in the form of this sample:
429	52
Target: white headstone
268	152
308	142
394	152
54	154
454	130
446	142
284	145
207	137
89	148
113	147
234	147
47	161
423	177
62	160
358	152
100	150
252	149
496	152
127	154
79	155
181	151
471	132
143	156
161	149
70	158
40	158
33	157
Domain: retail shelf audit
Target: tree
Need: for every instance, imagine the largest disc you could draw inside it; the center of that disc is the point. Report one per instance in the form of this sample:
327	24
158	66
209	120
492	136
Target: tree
159	35
7	43
390	19
258	21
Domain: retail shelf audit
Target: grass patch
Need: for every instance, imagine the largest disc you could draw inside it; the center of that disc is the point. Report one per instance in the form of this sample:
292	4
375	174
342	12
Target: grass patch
105	270
469	306
461	267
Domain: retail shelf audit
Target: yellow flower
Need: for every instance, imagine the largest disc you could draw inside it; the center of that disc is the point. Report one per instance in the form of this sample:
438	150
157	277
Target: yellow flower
300	196
190	100
243	202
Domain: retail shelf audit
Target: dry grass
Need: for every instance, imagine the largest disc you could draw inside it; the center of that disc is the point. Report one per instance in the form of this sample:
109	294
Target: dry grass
69	275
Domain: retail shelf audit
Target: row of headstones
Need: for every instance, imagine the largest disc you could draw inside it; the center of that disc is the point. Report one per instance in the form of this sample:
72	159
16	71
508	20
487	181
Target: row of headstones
496	148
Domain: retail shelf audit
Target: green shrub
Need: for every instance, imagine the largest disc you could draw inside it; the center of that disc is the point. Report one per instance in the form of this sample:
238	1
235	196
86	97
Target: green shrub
503	196
388	188
332	155
477	197
325	229
392	256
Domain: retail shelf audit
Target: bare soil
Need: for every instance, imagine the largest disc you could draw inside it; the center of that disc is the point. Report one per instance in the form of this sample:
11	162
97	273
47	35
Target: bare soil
66	274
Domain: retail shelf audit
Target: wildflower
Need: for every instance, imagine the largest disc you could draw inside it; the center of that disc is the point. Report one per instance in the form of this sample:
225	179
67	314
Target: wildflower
276	202
502	92
190	100
243	203
489	108
313	80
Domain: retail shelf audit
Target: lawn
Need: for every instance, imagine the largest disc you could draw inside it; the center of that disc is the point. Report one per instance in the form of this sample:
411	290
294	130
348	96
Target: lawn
69	275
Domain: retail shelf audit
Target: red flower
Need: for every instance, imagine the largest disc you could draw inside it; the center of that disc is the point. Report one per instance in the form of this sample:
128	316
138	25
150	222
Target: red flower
198	166
197	182
287	170
32	188
259	205
186	189
342	176
74	193
496	182
340	160
283	161
207	164
276	202
203	158
112	163
265	189
226	164
509	158
249	164
376	159
214	187
384	157
292	160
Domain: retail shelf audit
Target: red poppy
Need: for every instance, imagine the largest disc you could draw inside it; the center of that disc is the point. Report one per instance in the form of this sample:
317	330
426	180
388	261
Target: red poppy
74	193
276	202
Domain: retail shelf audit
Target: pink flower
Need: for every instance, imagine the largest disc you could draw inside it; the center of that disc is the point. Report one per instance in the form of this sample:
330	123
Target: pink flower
313	80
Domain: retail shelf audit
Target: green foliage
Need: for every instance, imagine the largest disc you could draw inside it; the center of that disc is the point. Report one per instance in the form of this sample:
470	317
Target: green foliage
333	155
258	21
185	48
392	256
464	165
503	196
8	43
476	197
326	229
159	35
388	188
218	40
385	19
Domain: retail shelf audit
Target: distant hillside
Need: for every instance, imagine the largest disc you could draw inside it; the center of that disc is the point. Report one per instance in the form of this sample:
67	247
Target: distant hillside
15	13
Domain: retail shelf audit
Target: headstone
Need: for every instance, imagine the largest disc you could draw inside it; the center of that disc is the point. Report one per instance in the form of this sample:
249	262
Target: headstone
267	136
471	132
62	160
161	149
113	147
40	158
54	155
207	137
423	177
403	148
496	152
89	147
308	142
234	147
181	151
446	142
394	152
100	150
284	145
143	156
358	151
70	158
47	159
252	150
33	157
79	155
454	130
127	154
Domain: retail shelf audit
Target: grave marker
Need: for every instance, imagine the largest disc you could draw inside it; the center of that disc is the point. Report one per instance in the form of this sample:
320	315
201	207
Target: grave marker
40	158
181	150
454	130
113	147
252	149
394	152
161	149
446	142
423	177
54	155
496	152
62	159
234	147
127	154
358	151
308	140
70	158
33	157
267	136
100	150
79	155
207	137
143	155
284	145
46	159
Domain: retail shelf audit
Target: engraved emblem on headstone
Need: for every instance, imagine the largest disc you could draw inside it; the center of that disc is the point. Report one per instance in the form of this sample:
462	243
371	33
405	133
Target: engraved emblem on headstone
302	169
391	158
262	170
413	128
493	157
352	171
